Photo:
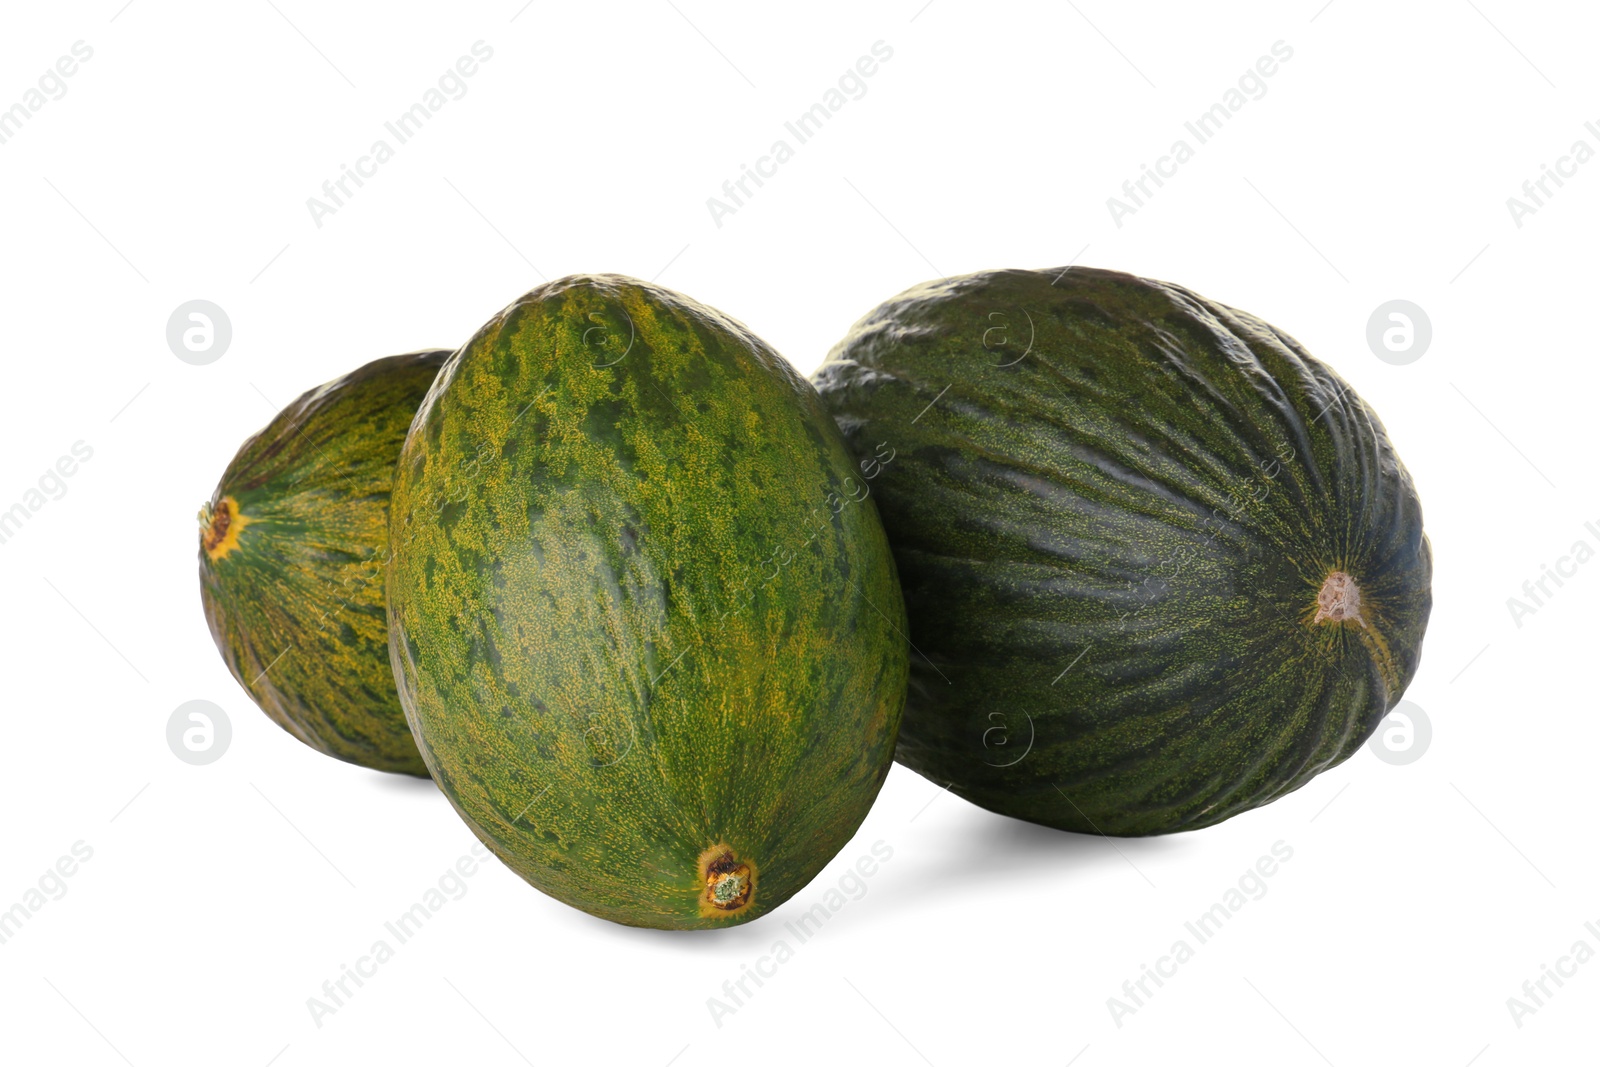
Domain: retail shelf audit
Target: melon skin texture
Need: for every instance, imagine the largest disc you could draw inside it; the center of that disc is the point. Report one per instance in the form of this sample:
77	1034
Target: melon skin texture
292	549
1161	566
643	615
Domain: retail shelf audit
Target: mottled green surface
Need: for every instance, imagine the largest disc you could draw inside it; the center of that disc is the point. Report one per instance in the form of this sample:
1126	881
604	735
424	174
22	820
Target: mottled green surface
642	612
295	596
1113	506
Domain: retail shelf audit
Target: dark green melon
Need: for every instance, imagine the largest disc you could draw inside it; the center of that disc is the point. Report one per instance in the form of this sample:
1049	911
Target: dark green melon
643	615
1161	566
292	548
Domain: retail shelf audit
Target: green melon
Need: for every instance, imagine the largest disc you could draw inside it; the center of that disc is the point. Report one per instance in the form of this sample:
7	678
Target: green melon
1160	565
292	547
643	615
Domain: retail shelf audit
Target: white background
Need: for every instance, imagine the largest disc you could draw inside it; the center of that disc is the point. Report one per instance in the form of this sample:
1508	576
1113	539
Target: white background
1376	166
